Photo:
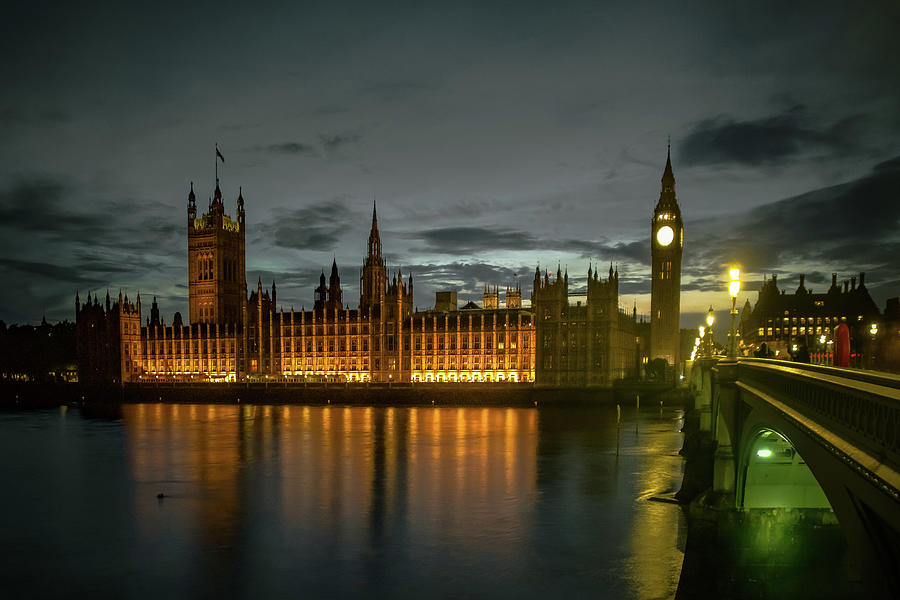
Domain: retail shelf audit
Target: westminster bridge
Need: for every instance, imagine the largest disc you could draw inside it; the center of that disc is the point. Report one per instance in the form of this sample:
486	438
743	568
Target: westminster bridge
797	436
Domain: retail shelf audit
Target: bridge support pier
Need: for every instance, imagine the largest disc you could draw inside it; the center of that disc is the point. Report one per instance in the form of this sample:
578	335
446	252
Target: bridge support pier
724	474
725	403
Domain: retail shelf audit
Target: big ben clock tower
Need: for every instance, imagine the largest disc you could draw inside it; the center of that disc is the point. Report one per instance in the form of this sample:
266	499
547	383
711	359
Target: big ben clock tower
666	243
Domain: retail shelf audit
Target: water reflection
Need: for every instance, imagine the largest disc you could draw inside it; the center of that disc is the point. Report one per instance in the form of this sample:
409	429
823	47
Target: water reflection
265	501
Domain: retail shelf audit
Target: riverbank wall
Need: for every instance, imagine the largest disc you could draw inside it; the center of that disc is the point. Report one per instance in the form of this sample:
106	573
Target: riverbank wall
13	394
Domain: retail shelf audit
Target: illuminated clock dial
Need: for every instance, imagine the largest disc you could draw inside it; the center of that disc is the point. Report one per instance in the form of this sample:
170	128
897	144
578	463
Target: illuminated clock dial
665	235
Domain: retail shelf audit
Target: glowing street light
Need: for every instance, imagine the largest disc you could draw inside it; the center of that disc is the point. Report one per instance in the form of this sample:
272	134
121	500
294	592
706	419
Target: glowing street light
734	287
710	319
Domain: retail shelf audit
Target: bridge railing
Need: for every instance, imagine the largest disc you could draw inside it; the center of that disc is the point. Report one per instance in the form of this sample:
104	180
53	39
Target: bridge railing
863	406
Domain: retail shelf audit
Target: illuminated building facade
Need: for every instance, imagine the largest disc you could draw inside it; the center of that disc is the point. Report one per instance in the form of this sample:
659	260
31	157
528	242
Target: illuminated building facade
492	343
666	245
216	271
235	337
783	321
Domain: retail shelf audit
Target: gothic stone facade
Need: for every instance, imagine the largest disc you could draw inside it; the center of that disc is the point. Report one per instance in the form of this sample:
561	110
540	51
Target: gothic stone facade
590	344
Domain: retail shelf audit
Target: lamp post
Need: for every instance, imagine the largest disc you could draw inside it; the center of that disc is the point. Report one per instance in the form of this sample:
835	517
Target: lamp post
734	287
873	332
710	319
701	339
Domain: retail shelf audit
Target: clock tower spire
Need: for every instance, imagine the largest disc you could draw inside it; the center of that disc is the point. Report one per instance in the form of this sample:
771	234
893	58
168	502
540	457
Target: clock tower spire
666	244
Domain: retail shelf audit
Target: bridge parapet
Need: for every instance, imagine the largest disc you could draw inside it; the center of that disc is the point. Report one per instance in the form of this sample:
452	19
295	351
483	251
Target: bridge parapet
861	407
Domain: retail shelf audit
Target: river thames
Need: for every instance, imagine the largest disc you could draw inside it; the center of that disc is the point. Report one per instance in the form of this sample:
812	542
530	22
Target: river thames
332	501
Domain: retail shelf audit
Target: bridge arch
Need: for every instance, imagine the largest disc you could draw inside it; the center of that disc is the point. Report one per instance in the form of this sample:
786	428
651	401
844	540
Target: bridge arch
774	474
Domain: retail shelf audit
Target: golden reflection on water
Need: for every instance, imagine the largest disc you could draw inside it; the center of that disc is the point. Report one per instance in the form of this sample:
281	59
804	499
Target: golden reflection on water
332	462
653	566
459	478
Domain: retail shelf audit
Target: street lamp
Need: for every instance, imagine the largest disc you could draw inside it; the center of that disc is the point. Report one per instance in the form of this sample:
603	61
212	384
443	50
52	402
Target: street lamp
873	331
710	319
701	339
734	287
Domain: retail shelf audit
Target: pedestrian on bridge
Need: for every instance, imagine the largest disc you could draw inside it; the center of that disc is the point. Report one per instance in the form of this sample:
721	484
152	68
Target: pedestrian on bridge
842	344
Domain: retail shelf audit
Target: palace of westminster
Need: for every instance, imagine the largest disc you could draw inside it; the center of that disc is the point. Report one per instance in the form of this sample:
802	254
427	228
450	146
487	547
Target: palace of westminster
233	336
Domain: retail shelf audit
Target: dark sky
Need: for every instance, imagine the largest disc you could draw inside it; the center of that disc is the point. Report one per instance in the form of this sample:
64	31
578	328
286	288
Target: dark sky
495	136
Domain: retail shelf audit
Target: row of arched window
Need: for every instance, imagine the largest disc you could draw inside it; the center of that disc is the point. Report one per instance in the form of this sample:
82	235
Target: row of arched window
206	269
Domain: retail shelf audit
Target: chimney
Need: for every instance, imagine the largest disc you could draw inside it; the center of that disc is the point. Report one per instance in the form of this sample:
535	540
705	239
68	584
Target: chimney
862	280
846	285
853	283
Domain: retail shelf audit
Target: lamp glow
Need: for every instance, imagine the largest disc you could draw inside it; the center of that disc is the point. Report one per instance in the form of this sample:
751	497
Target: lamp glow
710	317
764	453
734	287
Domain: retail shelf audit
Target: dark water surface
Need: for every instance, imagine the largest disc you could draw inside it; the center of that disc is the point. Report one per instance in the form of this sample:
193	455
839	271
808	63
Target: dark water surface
321	502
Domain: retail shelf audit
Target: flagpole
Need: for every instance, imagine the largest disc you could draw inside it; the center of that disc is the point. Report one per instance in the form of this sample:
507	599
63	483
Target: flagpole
216	161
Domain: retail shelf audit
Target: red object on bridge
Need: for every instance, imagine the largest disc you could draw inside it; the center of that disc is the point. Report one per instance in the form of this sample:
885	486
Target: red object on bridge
842	345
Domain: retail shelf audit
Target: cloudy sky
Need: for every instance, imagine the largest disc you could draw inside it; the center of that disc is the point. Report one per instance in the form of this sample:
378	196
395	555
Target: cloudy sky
494	136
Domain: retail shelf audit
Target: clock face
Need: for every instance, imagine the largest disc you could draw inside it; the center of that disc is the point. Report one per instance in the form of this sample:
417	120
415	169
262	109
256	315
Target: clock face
665	235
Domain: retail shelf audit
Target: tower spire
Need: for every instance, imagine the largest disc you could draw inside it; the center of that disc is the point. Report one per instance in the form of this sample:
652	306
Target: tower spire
374	237
668	177
667	173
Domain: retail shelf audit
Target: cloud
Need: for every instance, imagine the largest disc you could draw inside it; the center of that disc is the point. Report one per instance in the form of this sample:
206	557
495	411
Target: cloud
396	91
852	226
314	227
475	240
292	148
765	141
333	141
36	205
51	115
42	206
327	144
47	270
56	236
471	240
